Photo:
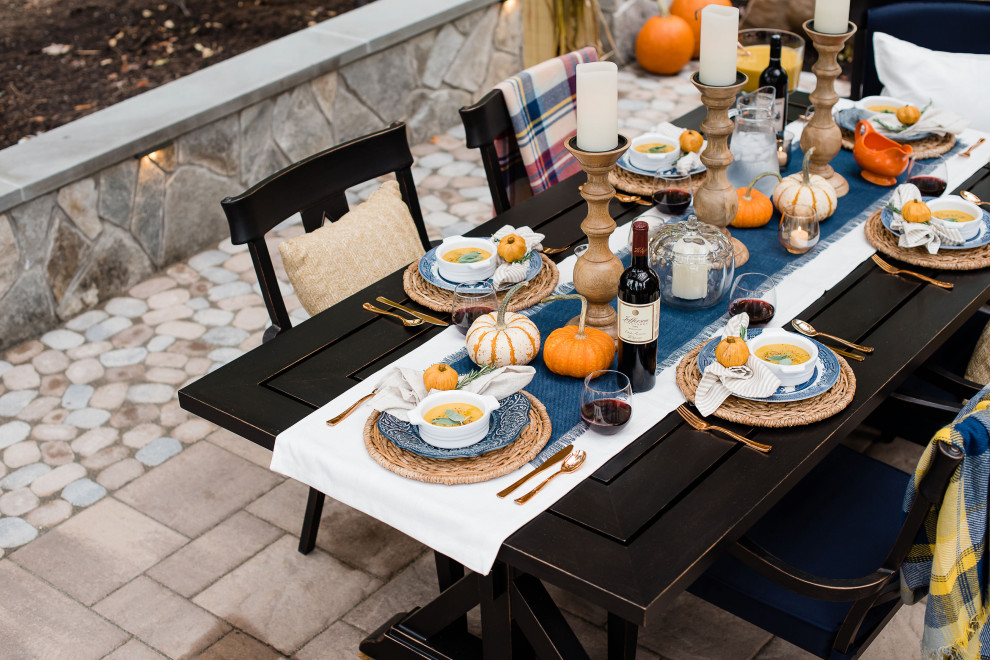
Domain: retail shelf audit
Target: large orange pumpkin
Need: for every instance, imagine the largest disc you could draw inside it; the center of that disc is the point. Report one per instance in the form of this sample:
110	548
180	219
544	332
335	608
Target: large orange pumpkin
664	43
690	11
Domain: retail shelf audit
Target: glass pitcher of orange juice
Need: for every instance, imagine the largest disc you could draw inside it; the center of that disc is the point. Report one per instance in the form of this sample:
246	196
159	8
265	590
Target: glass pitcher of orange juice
756	57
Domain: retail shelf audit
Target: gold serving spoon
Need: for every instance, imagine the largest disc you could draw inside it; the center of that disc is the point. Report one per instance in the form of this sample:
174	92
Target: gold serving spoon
808	330
570	464
971	197
965	154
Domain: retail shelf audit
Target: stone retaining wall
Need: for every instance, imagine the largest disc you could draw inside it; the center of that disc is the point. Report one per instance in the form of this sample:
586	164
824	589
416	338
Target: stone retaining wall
86	211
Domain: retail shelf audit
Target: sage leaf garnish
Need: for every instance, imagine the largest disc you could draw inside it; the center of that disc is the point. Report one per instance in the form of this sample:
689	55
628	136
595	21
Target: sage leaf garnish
443	421
455	416
469	257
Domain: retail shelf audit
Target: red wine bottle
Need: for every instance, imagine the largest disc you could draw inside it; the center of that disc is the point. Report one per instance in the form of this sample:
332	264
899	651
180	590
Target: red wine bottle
775	76
639	314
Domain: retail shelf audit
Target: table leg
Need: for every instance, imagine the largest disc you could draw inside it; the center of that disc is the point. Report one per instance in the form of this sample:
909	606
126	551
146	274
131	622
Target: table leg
449	572
311	521
496	616
621	638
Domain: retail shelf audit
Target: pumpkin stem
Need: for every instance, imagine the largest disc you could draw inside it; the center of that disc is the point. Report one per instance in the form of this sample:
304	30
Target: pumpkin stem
584	308
500	319
664	10
749	190
805	172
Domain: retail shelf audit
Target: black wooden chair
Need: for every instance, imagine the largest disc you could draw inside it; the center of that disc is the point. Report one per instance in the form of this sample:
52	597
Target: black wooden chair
315	188
956	26
484	122
821	569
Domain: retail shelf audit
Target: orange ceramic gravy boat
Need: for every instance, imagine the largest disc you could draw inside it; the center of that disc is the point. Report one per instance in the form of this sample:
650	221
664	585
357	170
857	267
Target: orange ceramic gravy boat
881	158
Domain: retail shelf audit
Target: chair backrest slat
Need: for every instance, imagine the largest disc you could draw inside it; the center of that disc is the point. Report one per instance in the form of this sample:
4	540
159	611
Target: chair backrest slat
315	187
484	122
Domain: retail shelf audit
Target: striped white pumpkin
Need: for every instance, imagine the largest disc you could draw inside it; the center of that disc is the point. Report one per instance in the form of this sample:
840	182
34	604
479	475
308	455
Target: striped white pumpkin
806	188
503	338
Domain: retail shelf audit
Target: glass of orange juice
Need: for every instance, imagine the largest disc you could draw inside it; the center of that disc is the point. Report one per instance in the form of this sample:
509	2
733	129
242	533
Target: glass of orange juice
757	43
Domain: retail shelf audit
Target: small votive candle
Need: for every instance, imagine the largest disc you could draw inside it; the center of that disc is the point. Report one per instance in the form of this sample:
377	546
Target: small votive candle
597	106
831	16
784	149
798	231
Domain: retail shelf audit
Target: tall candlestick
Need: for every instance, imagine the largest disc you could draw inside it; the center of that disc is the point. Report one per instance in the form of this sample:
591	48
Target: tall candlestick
719	34
597	106
831	16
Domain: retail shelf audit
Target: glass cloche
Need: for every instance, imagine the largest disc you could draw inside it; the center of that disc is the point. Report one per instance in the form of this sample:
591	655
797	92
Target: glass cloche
695	262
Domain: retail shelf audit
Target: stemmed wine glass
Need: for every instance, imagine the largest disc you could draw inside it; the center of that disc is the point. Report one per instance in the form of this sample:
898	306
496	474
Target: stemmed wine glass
755	294
471	300
606	400
671	192
930	176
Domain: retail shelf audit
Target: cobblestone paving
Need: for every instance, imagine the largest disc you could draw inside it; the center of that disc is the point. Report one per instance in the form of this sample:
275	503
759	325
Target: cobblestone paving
131	529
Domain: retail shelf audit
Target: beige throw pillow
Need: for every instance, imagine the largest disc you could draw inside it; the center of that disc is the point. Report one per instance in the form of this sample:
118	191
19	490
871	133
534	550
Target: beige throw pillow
374	239
978	369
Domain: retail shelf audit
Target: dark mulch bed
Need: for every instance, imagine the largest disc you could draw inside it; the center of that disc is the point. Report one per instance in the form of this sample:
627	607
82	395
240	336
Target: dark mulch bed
63	59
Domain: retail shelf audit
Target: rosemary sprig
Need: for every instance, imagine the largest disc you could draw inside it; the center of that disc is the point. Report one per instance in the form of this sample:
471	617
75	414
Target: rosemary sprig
474	375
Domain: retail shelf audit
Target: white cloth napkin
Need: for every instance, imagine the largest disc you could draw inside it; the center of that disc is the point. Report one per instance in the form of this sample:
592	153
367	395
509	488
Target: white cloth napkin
933	120
511	273
689	161
401	389
751	379
931	234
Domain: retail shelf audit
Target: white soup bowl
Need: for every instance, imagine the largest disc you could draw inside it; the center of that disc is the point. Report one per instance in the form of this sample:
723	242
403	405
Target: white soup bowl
789	374
454	437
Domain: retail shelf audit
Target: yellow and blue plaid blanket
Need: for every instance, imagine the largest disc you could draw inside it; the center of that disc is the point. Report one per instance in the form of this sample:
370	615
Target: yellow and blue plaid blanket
948	561
542	106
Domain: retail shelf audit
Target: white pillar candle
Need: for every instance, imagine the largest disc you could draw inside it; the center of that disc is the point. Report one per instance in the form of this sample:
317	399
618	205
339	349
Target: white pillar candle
831	16
597	106
719	34
689	275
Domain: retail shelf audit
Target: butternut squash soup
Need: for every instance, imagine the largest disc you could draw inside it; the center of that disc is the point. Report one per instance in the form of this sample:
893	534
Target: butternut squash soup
783	354
654	148
882	108
466	255
953	215
453	414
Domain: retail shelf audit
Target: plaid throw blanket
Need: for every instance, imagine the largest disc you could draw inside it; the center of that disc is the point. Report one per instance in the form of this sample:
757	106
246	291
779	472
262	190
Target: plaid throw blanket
948	561
541	104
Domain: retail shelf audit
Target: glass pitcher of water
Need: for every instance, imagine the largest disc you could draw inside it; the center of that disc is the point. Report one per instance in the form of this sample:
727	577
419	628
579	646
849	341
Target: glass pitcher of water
753	143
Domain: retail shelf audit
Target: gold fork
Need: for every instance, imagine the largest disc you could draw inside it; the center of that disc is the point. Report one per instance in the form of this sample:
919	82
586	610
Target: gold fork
555	250
702	425
899	271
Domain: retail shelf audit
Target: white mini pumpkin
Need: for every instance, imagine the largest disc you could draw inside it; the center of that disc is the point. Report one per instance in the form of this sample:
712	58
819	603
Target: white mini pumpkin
806	188
503	338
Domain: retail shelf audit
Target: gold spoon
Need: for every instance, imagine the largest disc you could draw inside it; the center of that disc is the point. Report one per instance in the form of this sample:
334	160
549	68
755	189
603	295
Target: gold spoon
807	329
971	197
406	322
965	154
570	464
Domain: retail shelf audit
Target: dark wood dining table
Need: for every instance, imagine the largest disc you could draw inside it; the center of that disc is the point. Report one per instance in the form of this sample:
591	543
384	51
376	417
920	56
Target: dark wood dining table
635	533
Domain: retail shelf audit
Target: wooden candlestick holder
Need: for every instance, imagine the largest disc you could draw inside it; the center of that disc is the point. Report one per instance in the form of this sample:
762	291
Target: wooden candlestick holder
597	271
716	202
822	133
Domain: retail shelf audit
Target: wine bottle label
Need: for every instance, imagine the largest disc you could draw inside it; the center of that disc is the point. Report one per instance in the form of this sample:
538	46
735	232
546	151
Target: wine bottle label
639	324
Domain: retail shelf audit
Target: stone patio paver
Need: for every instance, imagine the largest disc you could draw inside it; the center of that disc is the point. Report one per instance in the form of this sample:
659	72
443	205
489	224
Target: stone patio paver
171	520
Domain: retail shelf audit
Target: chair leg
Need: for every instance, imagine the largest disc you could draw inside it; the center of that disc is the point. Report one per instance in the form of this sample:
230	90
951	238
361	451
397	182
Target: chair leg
622	637
311	521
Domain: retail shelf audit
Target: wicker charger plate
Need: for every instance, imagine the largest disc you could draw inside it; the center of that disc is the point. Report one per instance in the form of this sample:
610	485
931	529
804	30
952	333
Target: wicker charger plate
886	242
441	300
469	470
638	184
929	147
771	415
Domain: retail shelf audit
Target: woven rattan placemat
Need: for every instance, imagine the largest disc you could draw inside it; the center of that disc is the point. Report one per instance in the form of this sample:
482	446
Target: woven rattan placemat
470	470
886	241
928	147
638	184
771	415
441	300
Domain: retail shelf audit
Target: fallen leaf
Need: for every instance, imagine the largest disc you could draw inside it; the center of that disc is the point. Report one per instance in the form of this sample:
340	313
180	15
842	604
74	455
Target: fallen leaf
146	13
38	118
169	24
56	49
106	62
141	83
161	62
112	42
84	106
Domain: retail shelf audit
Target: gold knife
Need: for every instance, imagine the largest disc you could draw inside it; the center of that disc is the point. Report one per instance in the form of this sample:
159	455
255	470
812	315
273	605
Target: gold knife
426	317
847	354
556	458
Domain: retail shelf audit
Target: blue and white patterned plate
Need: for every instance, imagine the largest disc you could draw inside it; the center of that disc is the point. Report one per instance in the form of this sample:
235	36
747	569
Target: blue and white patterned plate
431	272
505	425
628	166
849	117
983	238
826	373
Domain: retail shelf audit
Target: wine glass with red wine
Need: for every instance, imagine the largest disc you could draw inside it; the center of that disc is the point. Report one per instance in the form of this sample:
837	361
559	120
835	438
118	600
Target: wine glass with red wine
755	294
672	192
471	300
930	176
606	401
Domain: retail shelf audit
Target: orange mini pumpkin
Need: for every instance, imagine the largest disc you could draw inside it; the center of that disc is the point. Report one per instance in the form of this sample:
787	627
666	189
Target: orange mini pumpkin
664	43
512	247
691	141
755	208
732	352
440	377
577	350
915	211
690	11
